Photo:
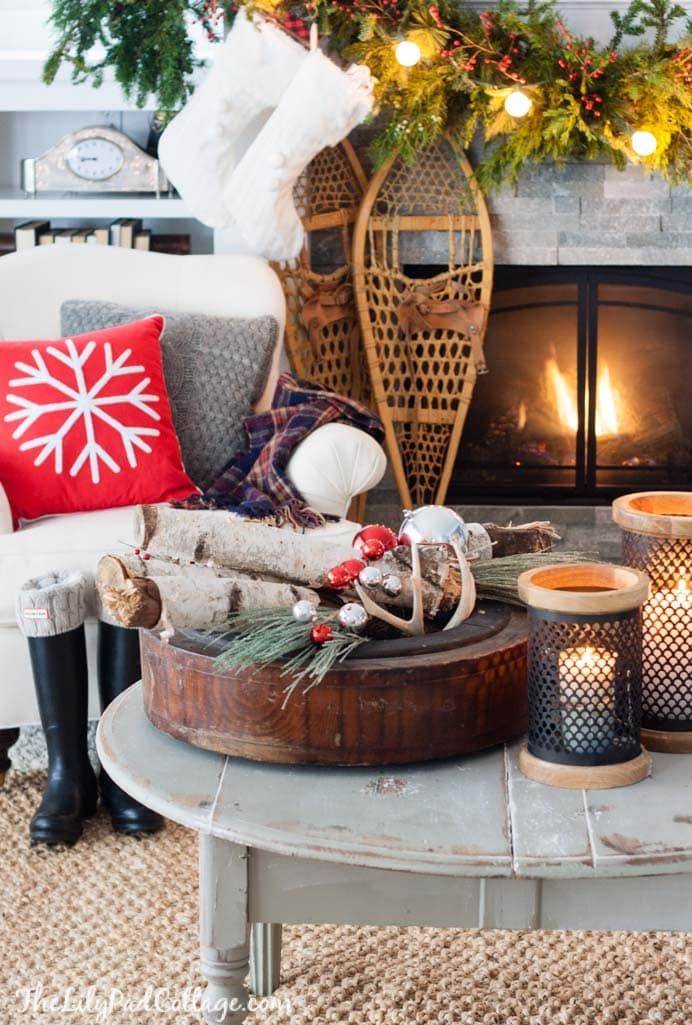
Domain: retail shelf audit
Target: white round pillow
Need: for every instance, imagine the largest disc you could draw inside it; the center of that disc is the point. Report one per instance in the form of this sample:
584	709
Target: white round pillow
333	465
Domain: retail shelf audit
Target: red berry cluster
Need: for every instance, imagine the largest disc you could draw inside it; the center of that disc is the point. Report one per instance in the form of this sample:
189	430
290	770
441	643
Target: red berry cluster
211	16
451	51
434	12
487	22
489	53
682	66
390	10
590	101
584	66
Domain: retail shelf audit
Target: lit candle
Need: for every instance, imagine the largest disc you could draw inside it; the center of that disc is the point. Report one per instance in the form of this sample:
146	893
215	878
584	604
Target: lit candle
665	620
657	538
587	679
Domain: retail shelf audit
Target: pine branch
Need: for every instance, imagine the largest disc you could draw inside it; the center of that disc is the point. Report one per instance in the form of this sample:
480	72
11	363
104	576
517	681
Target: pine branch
267	636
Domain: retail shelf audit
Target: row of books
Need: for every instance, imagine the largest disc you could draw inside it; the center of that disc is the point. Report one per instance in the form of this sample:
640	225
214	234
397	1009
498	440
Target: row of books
126	232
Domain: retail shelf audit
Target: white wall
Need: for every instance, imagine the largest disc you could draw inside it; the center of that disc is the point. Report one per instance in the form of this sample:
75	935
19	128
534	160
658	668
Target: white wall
587	17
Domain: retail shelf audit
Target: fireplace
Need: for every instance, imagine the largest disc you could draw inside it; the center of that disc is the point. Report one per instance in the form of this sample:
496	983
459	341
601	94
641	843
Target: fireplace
588	390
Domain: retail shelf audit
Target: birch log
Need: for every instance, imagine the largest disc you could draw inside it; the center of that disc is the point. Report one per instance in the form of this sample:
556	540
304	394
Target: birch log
184	597
203	535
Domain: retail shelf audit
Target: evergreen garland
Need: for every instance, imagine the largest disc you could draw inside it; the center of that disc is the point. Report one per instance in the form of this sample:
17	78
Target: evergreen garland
588	99
147	43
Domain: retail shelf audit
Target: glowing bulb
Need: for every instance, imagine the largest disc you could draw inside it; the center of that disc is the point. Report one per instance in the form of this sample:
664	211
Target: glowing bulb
644	143
407	53
518	104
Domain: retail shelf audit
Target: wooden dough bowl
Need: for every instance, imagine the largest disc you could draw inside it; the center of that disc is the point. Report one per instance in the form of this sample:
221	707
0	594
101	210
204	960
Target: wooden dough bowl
405	700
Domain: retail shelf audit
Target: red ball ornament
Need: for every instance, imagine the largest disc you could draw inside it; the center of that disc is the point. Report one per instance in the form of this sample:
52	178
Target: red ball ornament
344	574
351	568
372	549
321	633
337	579
375	532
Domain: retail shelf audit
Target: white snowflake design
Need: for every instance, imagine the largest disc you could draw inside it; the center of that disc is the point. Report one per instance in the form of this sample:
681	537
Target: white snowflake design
82	405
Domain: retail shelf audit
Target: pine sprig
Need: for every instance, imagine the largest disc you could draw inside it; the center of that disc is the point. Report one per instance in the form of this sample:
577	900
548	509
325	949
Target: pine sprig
262	637
496	579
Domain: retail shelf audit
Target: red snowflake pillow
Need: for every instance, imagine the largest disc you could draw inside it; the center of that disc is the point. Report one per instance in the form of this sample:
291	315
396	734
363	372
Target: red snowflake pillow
85	423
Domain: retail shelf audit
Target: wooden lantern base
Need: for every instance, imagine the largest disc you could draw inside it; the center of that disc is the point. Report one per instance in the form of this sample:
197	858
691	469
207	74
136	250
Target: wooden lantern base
668	742
585	777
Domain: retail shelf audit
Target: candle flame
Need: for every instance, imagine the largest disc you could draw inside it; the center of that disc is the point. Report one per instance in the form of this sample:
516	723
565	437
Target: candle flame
587	659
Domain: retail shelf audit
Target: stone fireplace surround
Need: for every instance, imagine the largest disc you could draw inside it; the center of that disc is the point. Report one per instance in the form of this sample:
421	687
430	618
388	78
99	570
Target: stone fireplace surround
582	214
592	214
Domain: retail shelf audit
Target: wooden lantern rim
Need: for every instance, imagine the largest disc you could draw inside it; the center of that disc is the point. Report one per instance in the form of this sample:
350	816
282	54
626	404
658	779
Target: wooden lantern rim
564	587
657	513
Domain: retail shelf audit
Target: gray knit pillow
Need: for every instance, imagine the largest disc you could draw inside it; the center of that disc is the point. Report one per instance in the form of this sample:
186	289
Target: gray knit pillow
216	368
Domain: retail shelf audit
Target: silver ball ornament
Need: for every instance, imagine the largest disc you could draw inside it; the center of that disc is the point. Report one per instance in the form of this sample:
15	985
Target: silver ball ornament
392	585
304	612
432	525
371	576
353	616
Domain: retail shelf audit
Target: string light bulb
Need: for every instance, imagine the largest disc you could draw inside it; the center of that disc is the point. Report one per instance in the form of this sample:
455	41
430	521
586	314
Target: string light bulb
407	53
518	104
644	143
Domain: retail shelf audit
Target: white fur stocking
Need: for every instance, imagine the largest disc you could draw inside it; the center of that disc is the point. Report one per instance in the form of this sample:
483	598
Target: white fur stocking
320	106
203	143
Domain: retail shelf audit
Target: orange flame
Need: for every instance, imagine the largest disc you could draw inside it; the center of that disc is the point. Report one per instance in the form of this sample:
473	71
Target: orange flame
562	395
607	421
607	418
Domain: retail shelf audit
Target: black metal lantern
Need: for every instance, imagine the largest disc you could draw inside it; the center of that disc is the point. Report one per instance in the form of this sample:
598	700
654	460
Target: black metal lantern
584	675
657	539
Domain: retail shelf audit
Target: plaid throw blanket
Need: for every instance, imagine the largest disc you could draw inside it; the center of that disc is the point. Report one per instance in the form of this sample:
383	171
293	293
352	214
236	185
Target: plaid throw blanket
254	484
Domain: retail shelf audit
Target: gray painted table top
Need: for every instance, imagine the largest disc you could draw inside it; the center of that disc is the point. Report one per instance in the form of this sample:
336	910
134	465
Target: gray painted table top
475	816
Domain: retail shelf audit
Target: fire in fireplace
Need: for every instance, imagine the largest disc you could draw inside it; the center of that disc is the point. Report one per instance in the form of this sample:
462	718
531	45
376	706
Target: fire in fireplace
589	390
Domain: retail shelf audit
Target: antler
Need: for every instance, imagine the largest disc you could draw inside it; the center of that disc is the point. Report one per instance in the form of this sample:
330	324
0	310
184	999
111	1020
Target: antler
416	624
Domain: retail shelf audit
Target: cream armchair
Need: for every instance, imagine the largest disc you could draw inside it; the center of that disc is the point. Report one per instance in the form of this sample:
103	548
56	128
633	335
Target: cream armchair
33	285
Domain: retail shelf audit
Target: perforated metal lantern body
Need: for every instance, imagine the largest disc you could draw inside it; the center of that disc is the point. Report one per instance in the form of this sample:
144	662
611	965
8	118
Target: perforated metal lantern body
584	663
657	538
584	687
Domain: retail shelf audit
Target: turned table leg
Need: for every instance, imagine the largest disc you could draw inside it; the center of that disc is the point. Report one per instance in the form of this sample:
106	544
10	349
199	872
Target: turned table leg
224	929
8	737
265	961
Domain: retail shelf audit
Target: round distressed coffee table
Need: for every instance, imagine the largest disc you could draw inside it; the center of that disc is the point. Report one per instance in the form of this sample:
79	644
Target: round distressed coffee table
468	843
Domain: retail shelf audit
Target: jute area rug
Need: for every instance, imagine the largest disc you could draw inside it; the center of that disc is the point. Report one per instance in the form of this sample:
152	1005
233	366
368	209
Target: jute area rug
107	933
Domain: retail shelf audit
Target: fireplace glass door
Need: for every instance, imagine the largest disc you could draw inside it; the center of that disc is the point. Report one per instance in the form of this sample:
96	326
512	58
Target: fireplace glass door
589	390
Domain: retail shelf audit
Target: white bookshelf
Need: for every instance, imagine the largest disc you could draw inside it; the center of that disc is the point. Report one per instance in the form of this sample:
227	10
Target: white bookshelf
16	205
34	116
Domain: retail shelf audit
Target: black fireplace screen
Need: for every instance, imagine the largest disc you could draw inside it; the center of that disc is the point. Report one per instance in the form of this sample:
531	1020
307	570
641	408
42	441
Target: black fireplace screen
589	390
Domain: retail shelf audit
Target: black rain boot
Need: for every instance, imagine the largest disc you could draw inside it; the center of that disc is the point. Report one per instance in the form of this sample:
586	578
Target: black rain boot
61	680
118	668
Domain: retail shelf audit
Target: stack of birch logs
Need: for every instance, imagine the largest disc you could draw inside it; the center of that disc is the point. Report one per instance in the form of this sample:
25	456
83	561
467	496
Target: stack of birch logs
194	569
